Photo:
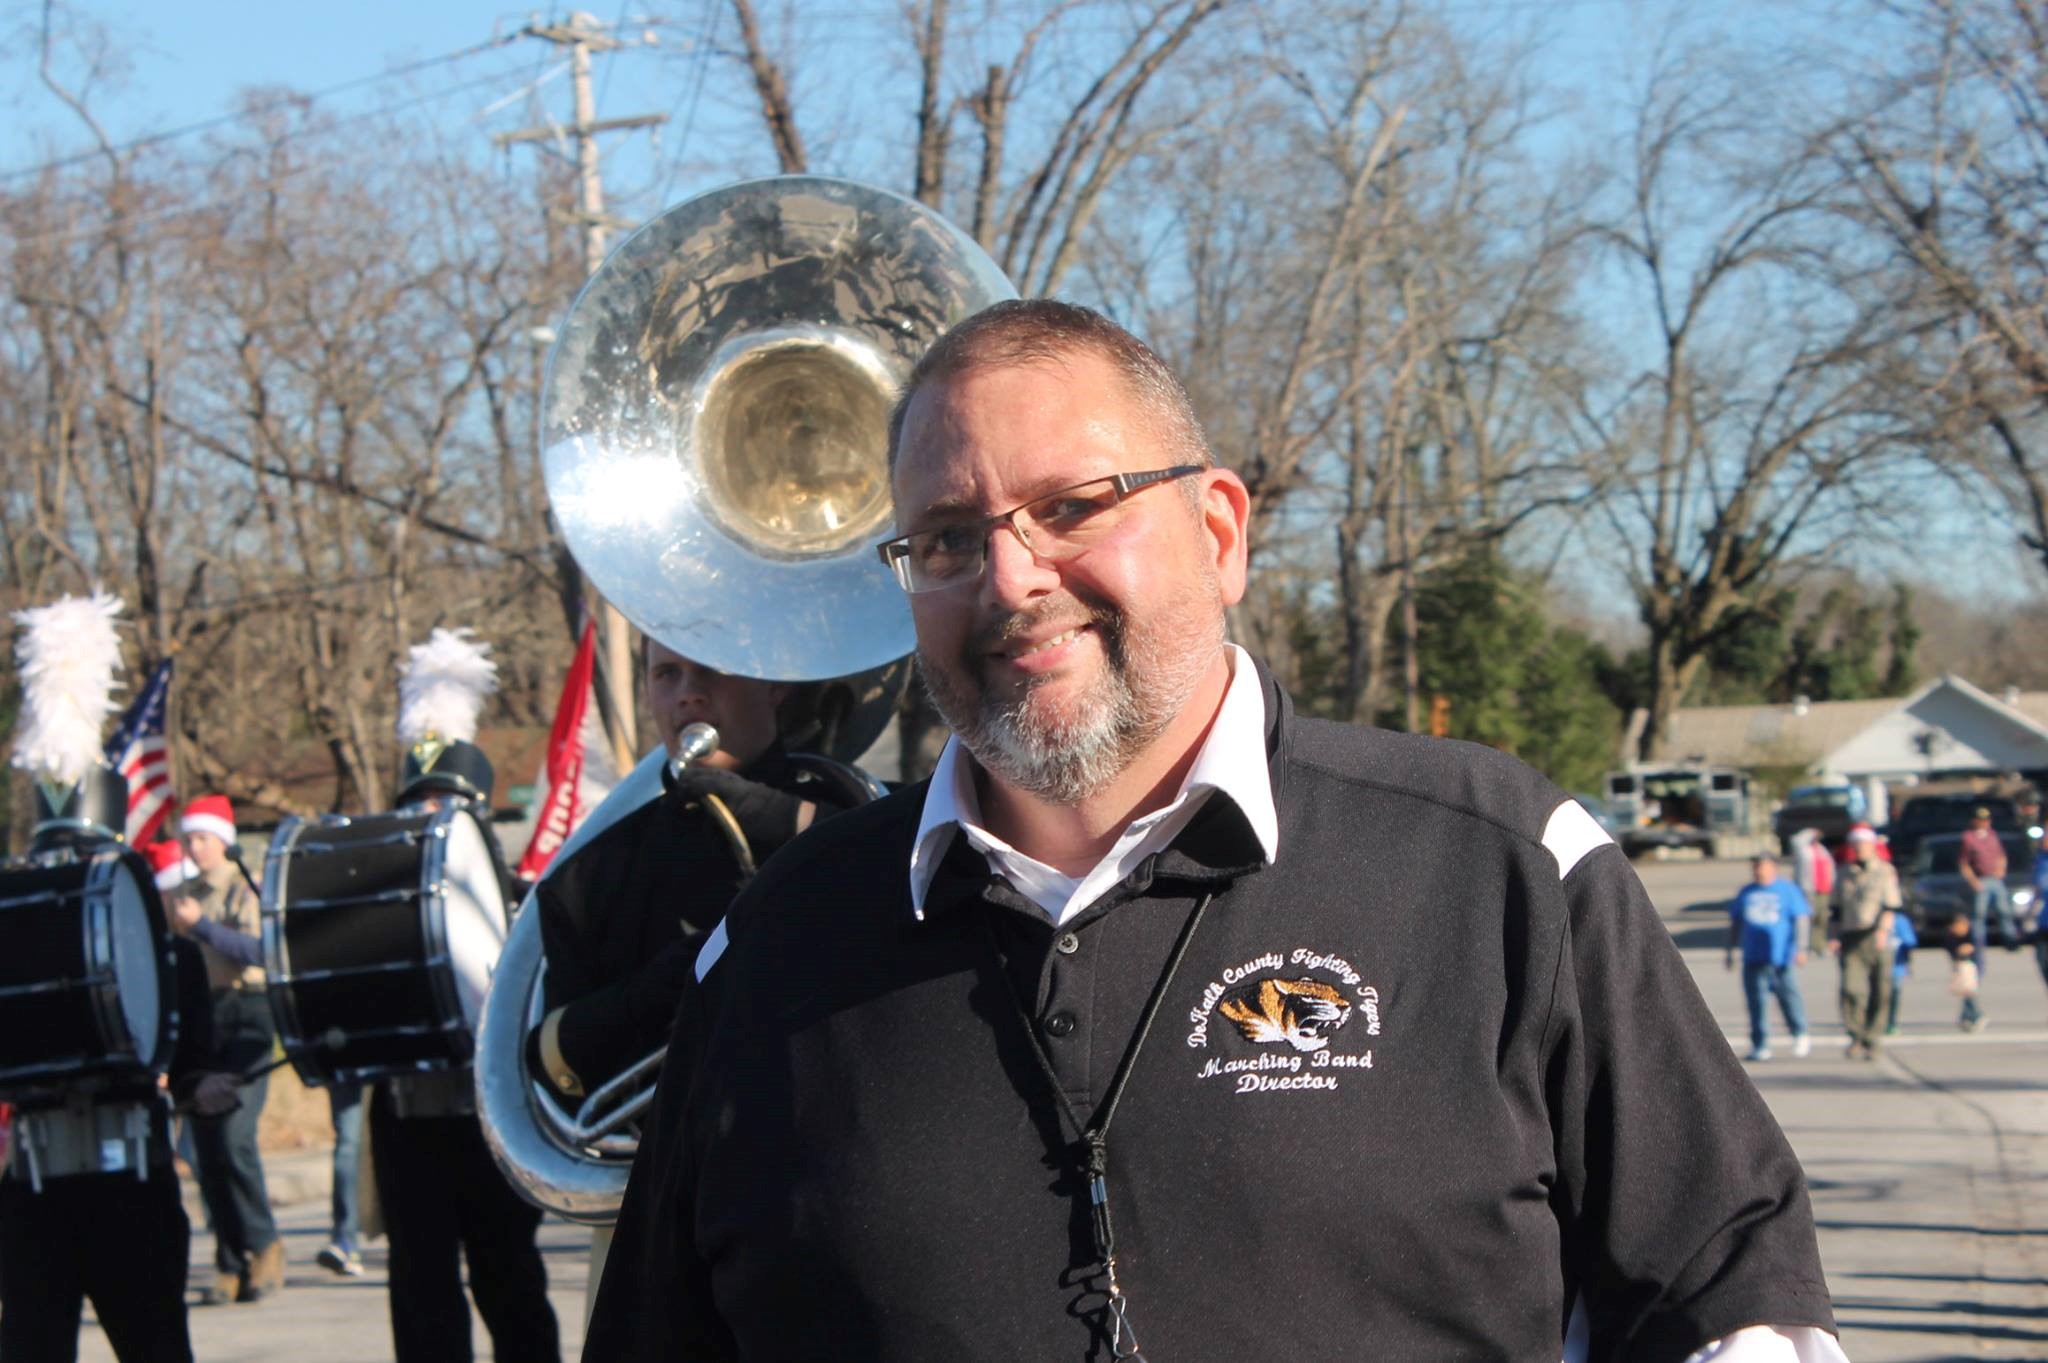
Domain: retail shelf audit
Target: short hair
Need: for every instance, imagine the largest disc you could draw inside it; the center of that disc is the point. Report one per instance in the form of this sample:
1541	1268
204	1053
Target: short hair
1762	857
1024	330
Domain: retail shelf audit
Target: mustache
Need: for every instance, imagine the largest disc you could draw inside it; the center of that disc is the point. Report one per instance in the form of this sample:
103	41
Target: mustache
1070	613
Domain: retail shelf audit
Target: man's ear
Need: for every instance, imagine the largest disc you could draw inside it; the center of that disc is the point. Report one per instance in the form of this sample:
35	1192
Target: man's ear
1226	509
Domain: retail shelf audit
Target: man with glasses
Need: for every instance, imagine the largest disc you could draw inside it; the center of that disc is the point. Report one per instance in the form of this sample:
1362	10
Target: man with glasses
1162	1018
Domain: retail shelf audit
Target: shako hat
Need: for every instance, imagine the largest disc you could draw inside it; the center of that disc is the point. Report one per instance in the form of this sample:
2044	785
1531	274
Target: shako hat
69	652
442	686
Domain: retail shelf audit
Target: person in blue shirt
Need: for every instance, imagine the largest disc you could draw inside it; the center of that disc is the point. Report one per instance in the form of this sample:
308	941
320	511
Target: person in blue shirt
1904	939
1764	921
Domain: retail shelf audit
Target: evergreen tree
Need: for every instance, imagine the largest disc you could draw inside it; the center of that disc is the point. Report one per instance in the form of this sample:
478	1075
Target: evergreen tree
1515	680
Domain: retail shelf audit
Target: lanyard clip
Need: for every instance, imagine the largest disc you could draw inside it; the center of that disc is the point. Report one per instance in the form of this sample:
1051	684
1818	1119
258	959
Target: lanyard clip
1123	1340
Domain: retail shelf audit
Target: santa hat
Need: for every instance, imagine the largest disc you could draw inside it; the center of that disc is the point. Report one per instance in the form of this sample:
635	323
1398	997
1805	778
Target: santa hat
173	868
209	814
1862	832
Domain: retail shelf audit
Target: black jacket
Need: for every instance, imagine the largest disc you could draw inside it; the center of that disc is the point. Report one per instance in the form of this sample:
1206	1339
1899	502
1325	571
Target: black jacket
1429	1079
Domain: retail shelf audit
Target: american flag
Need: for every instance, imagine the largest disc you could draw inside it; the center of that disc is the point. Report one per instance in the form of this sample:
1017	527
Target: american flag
138	752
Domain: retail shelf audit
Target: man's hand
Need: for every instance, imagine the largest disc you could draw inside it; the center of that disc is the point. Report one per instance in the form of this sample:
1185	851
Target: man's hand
1834	946
1798	958
184	913
216	1094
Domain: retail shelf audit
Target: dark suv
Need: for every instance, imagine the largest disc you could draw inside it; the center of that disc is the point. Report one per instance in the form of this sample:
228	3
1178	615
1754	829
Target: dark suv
1928	814
1936	893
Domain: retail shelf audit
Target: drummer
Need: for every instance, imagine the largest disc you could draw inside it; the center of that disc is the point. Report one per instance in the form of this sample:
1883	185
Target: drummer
93	1229
89	1204
219	909
442	1196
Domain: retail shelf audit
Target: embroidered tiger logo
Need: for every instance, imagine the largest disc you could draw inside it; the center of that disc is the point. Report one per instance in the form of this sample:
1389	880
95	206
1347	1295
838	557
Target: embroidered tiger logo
1301	1013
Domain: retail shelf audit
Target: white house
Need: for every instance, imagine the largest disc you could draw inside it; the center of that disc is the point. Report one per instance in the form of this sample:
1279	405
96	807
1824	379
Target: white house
1946	728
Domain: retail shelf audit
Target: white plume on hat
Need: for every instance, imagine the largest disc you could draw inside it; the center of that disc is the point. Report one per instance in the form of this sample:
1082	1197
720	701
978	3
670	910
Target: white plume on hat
69	653
442	687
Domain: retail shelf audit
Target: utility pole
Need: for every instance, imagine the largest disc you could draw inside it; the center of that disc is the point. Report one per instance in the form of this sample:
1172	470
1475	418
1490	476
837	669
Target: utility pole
1411	662
583	35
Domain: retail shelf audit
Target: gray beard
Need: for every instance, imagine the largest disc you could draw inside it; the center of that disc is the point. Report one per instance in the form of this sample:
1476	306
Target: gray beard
1065	760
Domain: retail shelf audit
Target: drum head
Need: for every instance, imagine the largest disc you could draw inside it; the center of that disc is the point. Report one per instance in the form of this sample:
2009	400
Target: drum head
137	960
473	913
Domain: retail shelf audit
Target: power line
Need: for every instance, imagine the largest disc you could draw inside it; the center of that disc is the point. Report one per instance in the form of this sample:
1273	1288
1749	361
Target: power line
176	210
714	12
280	102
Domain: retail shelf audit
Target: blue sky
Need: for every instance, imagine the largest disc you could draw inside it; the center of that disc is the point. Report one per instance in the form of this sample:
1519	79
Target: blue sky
187	61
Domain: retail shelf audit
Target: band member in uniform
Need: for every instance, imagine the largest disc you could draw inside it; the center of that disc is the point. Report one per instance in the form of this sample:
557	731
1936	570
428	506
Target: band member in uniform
623	918
220	909
89	1204
442	1196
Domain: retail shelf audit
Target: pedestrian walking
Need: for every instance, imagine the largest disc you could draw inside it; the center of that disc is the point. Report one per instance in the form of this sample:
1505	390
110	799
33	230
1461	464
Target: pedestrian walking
1966	974
345	1111
1865	901
219	910
1904	939
1767	921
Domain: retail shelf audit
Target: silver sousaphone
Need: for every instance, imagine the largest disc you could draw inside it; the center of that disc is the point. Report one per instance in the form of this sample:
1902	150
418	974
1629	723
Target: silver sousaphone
715	442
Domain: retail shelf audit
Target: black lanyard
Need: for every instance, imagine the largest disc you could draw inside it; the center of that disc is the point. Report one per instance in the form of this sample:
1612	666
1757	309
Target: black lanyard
1094	1136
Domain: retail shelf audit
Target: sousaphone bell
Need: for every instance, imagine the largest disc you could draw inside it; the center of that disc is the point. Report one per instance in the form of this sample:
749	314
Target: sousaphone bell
714	439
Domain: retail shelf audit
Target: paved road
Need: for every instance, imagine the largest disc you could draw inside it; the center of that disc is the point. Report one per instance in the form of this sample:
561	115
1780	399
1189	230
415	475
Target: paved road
1929	1171
1929	1168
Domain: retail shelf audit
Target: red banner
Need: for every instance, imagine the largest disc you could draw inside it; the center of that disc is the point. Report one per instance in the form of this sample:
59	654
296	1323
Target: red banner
565	762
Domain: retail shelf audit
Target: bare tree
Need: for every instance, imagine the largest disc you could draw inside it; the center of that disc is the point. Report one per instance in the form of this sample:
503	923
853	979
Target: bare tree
1377	358
1056	117
1750	442
1943	162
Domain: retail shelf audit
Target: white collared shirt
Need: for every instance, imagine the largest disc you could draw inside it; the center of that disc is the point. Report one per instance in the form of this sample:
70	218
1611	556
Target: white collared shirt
1232	761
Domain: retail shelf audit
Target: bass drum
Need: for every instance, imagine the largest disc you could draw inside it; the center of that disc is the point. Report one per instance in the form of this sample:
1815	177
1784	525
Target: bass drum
86	985
380	934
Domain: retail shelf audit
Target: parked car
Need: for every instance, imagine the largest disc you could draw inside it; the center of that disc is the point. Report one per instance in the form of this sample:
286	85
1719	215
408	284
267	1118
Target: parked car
1924	815
1680	805
1936	892
1830	810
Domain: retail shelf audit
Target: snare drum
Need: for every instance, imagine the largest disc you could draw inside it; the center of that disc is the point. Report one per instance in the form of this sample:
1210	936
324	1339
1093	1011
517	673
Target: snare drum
87	989
380	934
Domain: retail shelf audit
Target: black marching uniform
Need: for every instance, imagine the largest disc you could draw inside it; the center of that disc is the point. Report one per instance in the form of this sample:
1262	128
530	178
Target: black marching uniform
100	1228
622	920
120	1241
442	1195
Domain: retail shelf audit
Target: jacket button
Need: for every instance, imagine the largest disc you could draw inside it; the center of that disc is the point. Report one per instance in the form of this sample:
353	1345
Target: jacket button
1066	944
1060	1024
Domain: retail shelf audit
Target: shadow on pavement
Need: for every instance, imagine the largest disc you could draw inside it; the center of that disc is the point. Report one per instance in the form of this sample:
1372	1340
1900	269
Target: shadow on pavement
1992	1279
2003	1233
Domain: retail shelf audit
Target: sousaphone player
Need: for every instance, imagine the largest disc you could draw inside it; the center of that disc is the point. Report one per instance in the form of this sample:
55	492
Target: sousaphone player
715	435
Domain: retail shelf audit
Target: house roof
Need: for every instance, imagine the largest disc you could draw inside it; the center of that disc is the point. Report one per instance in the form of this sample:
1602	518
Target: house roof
1812	733
1767	735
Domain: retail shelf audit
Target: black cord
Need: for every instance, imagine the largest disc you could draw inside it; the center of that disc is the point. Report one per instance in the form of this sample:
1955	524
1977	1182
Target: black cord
1094	1136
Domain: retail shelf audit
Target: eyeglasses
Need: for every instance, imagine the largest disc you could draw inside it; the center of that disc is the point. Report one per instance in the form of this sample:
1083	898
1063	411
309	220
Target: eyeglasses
1058	525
